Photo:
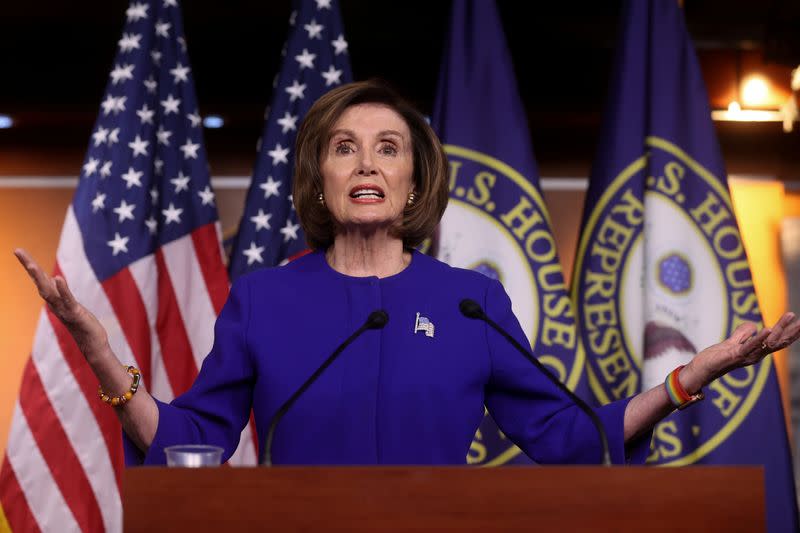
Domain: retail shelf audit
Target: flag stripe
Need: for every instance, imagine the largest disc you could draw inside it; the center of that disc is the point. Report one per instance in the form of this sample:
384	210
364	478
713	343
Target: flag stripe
206	245
142	274
172	335
125	299
15	507
45	501
58	453
81	428
193	302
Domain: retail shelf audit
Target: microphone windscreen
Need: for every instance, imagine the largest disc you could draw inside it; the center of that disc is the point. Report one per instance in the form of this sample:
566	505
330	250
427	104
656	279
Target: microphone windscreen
470	308
377	319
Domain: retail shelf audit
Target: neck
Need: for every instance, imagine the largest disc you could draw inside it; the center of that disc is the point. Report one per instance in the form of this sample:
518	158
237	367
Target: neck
360	256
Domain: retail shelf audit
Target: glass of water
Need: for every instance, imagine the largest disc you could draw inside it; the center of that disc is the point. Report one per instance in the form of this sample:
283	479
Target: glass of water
193	455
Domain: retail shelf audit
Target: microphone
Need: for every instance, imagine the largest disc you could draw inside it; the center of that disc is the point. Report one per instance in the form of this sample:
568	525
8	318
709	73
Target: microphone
375	320
471	309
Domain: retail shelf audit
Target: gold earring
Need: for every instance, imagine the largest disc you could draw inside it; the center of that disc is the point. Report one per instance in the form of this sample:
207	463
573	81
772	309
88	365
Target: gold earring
320	199
411	199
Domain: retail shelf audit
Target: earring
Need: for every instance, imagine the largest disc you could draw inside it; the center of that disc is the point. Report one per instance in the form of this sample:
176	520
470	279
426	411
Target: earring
320	199
411	199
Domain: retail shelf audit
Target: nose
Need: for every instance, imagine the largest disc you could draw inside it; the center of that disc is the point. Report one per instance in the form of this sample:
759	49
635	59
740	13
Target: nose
365	164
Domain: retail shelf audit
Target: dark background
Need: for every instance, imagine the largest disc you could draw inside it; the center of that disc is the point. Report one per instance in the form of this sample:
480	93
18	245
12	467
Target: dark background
55	57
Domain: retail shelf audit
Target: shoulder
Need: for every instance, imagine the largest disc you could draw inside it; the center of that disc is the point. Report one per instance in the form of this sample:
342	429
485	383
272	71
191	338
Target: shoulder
441	272
273	277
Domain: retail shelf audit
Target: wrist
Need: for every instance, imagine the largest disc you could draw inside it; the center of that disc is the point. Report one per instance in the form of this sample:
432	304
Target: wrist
692	378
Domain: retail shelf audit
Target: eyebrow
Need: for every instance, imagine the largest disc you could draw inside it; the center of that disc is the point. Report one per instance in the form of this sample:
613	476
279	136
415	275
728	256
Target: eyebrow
350	133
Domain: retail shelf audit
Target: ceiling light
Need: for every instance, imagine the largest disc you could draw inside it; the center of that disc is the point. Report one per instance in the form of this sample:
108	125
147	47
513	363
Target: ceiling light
213	121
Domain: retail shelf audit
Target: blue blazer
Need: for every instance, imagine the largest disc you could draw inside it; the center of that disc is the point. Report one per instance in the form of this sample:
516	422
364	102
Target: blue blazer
394	396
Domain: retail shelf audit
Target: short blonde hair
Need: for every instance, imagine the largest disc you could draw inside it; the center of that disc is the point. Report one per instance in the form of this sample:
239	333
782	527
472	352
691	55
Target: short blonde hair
430	164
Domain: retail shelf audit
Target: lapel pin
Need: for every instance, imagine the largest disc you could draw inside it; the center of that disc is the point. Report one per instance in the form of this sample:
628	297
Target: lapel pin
423	324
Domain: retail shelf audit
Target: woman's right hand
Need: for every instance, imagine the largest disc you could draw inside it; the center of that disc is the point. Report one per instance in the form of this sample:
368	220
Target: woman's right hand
84	327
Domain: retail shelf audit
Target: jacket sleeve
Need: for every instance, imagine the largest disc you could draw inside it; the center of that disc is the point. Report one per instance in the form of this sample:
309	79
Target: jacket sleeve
535	414
217	407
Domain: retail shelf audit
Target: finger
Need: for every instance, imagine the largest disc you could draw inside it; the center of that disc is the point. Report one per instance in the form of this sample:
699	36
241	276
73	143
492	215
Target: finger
742	333
790	334
756	343
774	339
63	291
42	280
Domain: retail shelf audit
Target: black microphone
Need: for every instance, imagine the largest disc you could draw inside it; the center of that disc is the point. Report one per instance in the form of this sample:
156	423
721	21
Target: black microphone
375	320
471	309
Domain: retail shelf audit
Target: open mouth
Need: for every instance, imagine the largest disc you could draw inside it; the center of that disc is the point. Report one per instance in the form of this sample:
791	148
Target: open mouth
367	192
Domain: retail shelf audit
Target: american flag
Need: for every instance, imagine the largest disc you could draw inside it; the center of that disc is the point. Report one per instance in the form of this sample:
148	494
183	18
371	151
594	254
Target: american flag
140	248
315	61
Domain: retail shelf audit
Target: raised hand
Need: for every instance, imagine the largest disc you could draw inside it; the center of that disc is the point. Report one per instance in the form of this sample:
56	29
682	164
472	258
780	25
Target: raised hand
82	324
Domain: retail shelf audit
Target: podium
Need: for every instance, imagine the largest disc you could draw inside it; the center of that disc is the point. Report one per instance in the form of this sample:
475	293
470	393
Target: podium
547	498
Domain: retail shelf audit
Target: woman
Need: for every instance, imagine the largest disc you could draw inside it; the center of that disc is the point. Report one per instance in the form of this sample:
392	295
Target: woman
371	184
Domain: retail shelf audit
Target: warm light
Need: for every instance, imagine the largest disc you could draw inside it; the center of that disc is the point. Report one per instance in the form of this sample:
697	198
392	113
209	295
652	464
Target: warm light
734	107
755	91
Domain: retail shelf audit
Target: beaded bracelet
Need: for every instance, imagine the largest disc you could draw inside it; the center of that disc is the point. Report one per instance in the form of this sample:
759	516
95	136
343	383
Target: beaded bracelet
119	400
677	394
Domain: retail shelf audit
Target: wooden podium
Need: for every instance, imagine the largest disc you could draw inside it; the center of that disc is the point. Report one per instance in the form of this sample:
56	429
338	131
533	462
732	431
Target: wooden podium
614	499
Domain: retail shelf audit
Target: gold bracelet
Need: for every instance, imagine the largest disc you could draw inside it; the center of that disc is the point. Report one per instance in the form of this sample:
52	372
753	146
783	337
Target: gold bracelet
119	400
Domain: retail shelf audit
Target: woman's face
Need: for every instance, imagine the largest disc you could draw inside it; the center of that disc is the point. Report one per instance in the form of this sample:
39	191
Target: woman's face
367	168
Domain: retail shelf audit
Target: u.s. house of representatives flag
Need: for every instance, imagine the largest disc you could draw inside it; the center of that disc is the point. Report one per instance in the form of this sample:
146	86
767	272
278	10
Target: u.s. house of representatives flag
140	248
496	222
661	272
315	60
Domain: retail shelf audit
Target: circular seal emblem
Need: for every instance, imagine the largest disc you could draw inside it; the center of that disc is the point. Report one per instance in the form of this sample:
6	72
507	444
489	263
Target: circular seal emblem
496	223
662	273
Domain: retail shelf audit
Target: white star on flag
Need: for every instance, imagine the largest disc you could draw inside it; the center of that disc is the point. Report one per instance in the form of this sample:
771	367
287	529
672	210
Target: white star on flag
162	28
171	214
296	91
194	118
154	194
332	76
99	202
288	122
170	104
278	154
119	244
340	45
189	149
121	73
158	165
105	170
289	231
181	183
113	103
163	135
133	177
170	3
206	196
138	146
179	73
270	187
90	167
152	224
314	30
129	41
305	59
150	84
113	136
146	114
137	11
254	254
100	135
125	211
261	220
323	4
156	56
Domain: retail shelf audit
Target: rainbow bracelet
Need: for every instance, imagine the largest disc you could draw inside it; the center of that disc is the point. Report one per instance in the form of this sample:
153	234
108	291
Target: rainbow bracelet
677	394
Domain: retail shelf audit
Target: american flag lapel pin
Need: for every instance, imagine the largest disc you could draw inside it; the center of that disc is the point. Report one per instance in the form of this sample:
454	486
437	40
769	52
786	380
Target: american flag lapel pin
423	323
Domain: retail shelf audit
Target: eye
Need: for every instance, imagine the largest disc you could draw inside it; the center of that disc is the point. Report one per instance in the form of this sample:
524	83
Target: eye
387	149
344	148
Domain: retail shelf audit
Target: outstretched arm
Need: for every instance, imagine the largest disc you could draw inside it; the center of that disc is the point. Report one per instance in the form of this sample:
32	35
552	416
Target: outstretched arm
139	416
746	346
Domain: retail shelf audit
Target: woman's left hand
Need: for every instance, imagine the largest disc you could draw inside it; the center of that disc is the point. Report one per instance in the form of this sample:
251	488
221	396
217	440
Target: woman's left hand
746	346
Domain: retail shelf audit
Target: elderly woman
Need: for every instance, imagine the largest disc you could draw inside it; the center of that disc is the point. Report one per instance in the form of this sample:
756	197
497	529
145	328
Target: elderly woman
370	185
